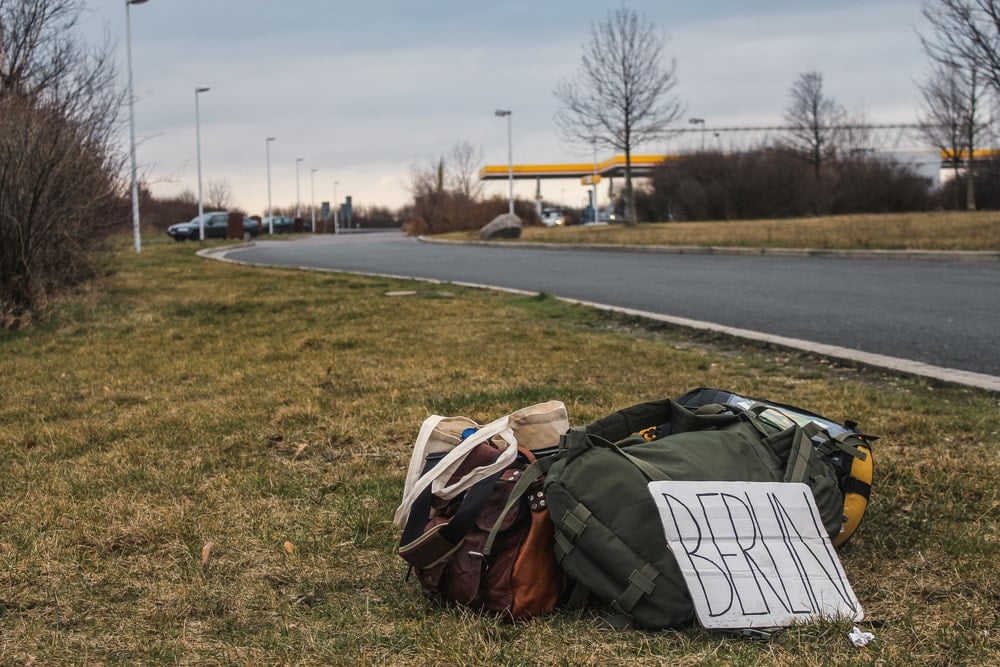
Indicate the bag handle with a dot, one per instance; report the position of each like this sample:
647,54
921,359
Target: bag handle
420,451
577,439
532,426
436,479
623,423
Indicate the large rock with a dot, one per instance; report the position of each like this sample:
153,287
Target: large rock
506,226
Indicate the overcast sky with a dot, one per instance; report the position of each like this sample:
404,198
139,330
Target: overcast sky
365,92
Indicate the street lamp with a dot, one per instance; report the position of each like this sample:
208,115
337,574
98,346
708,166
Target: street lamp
336,207
298,209
197,132
312,197
500,113
700,121
137,237
594,179
270,217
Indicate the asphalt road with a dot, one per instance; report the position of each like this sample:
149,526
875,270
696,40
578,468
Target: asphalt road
945,314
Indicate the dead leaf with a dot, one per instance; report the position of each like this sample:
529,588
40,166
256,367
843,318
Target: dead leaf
289,547
206,551
299,450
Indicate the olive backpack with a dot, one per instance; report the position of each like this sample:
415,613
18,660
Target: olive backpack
608,535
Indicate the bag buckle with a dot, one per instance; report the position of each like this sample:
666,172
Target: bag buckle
484,561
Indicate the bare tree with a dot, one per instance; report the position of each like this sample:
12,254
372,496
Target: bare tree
813,119
41,60
220,195
949,109
463,176
623,93
854,136
965,44
965,33
60,171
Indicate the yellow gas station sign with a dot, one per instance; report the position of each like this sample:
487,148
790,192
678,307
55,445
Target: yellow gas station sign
590,179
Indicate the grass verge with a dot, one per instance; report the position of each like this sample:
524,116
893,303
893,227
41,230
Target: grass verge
200,462
978,230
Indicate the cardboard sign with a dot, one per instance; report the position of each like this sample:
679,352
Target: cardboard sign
753,554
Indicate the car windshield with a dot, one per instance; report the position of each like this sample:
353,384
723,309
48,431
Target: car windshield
204,216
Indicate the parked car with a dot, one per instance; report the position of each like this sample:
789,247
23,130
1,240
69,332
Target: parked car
609,215
282,224
216,227
553,217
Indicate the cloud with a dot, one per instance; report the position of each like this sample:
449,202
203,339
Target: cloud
367,91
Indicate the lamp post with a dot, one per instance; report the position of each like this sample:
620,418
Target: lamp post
136,236
298,208
500,113
270,216
594,179
197,133
336,208
700,121
312,197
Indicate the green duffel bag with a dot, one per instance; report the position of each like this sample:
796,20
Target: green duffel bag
608,533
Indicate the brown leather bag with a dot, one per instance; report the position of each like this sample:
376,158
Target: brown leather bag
490,548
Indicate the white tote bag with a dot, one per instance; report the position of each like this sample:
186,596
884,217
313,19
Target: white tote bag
534,427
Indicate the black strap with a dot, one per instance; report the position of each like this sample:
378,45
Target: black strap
855,485
461,522
421,507
420,512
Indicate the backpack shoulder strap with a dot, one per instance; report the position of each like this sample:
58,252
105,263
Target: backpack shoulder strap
529,476
797,467
628,421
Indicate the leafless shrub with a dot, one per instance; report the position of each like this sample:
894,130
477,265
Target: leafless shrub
161,212
60,201
770,183
60,183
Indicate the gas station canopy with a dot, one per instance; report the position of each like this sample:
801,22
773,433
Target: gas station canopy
613,167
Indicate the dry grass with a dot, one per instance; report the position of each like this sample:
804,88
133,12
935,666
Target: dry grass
904,231
200,462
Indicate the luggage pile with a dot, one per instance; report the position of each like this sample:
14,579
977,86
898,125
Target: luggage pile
524,514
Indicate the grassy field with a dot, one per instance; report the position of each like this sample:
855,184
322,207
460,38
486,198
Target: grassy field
904,231
199,463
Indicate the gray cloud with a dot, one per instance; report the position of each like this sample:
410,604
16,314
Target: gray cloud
367,91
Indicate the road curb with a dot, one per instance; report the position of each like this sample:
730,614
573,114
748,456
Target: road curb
871,359
907,255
